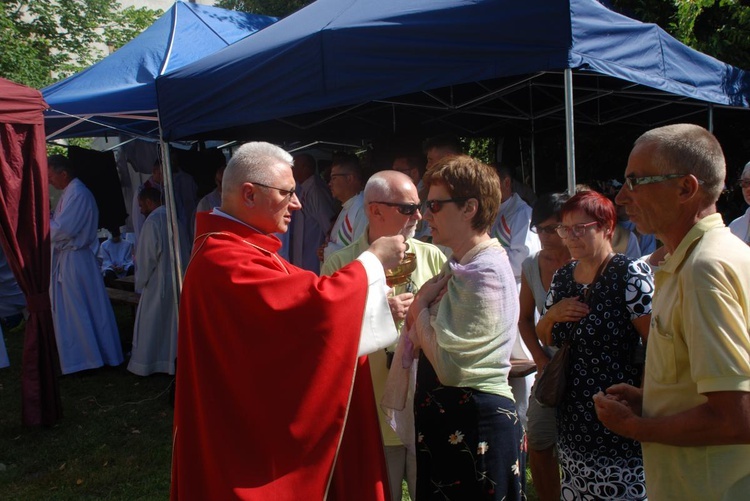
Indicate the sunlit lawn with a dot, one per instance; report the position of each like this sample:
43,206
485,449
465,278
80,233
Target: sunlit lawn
114,441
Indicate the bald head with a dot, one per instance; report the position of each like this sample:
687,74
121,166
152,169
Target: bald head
384,184
391,204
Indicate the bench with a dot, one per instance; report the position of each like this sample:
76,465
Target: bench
119,296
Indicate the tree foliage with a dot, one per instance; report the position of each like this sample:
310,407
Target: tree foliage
277,8
720,28
45,40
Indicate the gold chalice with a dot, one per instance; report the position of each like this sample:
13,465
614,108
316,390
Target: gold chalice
401,273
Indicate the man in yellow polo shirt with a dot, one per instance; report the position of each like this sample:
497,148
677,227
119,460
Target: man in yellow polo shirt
693,414
392,204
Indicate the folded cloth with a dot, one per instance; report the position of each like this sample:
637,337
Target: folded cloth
397,383
398,398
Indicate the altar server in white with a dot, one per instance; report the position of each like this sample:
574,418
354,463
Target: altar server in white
155,332
85,327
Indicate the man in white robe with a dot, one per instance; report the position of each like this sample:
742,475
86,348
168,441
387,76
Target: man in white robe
311,224
212,199
155,331
85,327
154,181
116,257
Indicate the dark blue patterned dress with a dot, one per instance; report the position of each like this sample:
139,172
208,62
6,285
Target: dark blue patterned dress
596,463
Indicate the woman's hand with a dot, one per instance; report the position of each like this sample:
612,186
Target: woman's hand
433,290
569,309
430,293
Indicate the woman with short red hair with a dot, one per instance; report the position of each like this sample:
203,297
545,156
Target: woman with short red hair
600,303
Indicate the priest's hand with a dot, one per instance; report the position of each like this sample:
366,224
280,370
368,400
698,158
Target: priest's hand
389,250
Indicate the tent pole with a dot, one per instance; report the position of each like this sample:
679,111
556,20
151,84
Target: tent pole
569,135
711,118
533,157
533,138
174,237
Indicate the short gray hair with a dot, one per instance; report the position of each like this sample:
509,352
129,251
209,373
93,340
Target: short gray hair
378,188
252,162
688,149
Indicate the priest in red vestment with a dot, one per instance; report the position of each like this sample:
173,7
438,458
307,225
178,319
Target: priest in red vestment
268,354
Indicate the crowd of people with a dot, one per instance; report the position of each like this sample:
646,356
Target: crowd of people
305,368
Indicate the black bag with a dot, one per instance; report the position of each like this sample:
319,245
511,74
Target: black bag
553,381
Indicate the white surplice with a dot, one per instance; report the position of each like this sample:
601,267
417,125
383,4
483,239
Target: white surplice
155,332
113,254
85,327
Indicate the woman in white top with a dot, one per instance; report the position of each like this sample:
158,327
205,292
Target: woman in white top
538,269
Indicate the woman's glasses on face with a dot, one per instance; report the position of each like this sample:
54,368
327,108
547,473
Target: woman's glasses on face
743,183
577,230
549,229
436,206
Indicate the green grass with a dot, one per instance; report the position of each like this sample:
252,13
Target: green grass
114,441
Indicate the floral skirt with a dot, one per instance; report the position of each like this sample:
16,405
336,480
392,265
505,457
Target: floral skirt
469,443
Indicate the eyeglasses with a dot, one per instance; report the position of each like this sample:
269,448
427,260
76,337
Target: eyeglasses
743,183
577,230
549,229
282,192
405,209
333,176
631,181
436,206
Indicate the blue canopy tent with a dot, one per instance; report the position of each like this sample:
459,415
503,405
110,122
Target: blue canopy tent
118,94
341,65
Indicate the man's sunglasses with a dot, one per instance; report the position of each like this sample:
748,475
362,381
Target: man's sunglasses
405,209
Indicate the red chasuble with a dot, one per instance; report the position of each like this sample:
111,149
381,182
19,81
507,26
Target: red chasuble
265,379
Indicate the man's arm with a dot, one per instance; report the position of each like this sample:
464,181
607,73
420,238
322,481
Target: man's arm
70,221
723,420
107,261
